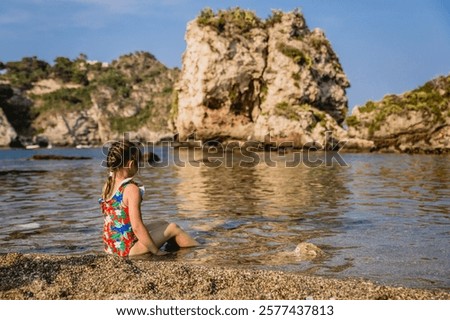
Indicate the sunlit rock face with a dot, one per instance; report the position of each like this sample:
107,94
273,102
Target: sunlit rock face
7,132
244,78
415,121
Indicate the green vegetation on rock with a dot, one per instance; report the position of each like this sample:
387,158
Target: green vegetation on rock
133,80
242,20
298,56
274,18
319,42
24,73
115,80
70,71
352,121
293,112
368,107
124,124
432,100
65,99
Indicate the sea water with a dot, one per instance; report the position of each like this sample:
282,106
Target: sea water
382,217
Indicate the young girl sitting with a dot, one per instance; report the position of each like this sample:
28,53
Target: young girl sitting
124,232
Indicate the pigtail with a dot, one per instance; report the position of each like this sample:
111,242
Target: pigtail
108,185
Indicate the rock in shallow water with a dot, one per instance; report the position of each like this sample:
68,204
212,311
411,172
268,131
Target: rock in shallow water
308,251
57,157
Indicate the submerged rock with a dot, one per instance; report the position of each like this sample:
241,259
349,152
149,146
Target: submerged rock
151,158
22,172
57,157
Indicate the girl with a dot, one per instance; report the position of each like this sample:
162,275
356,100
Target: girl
124,232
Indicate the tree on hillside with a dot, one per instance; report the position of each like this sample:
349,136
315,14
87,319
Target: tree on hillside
62,69
23,73
70,71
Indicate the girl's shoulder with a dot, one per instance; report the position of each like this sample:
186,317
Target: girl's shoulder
134,187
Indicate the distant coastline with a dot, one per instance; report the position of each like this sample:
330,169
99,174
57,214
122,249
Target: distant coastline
243,78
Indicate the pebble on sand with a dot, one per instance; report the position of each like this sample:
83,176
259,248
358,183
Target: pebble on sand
32,276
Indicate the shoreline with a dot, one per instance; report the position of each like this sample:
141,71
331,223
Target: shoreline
102,277
345,150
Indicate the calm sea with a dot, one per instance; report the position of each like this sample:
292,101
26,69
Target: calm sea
384,217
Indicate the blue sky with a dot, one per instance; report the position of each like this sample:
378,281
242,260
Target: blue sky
385,46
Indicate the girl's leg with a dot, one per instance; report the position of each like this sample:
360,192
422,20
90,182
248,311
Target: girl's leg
163,231
181,237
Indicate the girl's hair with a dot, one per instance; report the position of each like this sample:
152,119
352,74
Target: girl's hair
119,154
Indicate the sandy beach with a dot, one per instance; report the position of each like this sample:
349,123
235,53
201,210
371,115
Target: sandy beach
33,276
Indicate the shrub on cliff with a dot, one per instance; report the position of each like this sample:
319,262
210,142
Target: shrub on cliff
243,20
274,18
65,99
70,71
115,80
432,99
127,124
298,56
24,73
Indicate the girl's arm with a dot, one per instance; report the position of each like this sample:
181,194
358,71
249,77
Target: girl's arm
132,199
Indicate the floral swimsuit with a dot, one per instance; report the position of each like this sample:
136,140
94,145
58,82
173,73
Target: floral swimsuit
118,236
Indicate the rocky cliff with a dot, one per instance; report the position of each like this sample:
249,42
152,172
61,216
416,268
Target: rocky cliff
7,132
248,79
83,102
416,121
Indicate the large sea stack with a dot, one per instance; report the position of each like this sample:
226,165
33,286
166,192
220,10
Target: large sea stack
247,79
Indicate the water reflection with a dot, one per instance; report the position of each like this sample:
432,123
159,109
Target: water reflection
48,210
398,218
384,217
258,214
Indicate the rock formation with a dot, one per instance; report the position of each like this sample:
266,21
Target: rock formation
247,79
308,251
416,121
133,95
7,132
273,81
88,103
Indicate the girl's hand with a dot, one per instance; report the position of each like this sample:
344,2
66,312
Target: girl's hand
161,253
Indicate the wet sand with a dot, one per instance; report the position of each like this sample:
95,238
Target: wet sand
32,276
